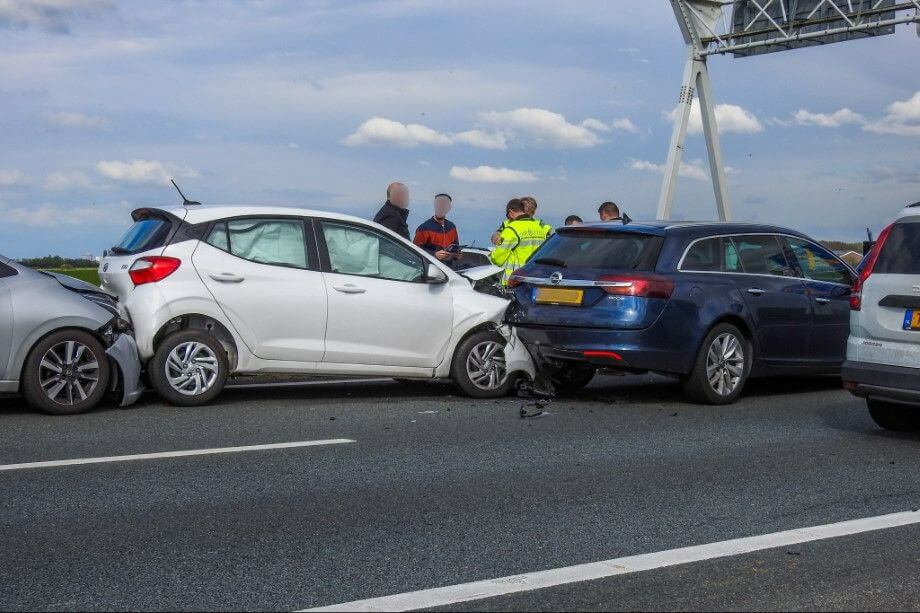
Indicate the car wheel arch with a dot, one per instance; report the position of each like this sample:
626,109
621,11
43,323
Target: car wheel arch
742,324
206,323
33,342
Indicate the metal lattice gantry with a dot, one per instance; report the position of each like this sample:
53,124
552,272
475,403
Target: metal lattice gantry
753,27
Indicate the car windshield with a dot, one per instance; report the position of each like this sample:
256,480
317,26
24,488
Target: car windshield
144,235
592,249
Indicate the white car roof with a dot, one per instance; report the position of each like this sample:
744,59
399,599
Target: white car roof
204,213
912,210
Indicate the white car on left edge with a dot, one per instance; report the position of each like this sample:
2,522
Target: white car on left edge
218,290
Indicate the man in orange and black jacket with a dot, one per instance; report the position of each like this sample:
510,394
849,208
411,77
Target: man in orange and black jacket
438,235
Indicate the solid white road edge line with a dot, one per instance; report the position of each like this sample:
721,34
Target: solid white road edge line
172,454
490,588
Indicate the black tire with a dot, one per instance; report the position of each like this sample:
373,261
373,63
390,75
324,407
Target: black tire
160,379
697,383
894,417
72,376
574,378
460,373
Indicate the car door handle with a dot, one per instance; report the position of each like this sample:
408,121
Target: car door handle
822,300
348,288
227,277
755,291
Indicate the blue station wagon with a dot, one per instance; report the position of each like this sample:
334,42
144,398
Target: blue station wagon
713,303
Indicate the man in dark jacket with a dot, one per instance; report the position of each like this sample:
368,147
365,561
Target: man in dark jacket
394,214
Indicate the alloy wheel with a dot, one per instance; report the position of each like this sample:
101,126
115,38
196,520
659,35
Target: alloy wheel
725,364
192,368
486,366
69,373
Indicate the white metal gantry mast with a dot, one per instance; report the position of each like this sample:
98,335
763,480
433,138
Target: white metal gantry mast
691,15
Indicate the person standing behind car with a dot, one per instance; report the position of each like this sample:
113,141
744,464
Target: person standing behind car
519,239
530,207
609,211
394,214
438,235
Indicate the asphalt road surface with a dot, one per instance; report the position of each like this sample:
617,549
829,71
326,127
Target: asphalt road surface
394,489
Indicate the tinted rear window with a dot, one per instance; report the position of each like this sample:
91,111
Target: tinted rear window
6,271
144,235
901,253
613,251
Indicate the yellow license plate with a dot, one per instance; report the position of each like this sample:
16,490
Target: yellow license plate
912,320
553,295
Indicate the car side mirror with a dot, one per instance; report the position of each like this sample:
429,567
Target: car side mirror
434,275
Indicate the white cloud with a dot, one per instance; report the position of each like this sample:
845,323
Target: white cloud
693,170
383,131
834,120
595,124
11,177
490,174
56,215
142,171
903,119
541,127
66,119
482,140
625,125
59,181
729,118
49,15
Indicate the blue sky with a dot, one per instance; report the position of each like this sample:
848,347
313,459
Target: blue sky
321,104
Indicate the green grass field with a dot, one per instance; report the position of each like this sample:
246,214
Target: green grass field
90,275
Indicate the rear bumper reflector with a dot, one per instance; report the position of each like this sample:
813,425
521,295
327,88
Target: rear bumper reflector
603,354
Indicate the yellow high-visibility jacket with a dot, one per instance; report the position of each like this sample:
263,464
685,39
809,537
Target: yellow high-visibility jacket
519,240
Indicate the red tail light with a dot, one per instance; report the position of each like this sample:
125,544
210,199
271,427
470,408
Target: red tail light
515,279
856,295
152,269
608,355
640,286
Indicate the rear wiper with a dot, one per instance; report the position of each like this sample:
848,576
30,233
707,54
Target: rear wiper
551,262
119,250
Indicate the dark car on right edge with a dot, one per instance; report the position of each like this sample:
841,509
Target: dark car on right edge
713,303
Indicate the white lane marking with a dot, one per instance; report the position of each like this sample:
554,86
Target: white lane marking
491,588
246,386
172,454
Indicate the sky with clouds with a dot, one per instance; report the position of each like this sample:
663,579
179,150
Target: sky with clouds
322,103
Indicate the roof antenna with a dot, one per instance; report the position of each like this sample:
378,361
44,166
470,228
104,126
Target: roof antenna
185,201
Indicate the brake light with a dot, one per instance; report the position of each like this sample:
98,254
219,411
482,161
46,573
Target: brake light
640,286
152,269
856,295
515,279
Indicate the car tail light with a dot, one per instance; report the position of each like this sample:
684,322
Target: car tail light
515,279
640,286
608,355
856,295
152,269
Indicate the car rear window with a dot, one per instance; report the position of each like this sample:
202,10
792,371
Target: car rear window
144,235
901,253
592,249
6,271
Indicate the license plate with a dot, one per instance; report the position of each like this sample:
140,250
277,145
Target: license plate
912,319
553,295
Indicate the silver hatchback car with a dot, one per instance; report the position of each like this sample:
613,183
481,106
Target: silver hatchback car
63,342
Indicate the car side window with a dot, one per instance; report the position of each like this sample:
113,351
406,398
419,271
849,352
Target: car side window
817,264
362,252
276,242
762,254
712,255
6,271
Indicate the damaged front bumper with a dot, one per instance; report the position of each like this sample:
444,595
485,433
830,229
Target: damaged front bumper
123,351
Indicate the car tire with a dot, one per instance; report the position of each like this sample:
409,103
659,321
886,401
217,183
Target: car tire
574,378
894,417
66,373
722,366
189,368
478,366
